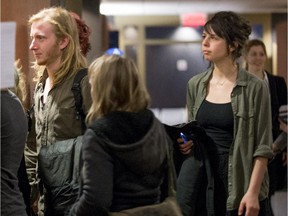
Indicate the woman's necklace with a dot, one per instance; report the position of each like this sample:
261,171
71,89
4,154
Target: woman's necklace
220,83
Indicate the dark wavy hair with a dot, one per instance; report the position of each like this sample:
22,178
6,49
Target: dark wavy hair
235,30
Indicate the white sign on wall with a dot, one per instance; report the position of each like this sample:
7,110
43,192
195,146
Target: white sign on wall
7,37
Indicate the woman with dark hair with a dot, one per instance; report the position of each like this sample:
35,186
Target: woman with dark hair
233,107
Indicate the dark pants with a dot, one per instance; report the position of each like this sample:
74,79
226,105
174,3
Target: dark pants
264,209
191,188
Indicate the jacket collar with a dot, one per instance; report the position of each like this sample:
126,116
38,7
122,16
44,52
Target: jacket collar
241,80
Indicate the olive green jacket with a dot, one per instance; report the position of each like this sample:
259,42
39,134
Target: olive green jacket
54,121
252,129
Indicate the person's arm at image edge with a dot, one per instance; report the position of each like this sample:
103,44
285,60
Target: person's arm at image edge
263,152
250,202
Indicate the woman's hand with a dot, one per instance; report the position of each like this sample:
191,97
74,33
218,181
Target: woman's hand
250,205
185,148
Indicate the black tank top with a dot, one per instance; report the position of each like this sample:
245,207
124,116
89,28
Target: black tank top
217,120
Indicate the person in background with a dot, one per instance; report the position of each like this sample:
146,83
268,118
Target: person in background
58,57
84,33
124,147
233,107
255,57
14,129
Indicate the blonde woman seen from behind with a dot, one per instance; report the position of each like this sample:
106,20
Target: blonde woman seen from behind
124,156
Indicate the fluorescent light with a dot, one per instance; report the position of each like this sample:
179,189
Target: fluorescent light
157,8
138,8
143,8
124,8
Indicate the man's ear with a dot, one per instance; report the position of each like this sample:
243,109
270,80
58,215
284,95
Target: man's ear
64,42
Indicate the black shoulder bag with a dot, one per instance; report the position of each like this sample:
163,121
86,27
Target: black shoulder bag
59,163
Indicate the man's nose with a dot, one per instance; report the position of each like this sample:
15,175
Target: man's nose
33,45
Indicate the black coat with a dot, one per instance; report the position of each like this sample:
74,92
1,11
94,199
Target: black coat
124,157
14,129
278,94
195,182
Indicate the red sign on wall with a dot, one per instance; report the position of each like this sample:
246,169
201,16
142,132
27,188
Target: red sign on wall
193,19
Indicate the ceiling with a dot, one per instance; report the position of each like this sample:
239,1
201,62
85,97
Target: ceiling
178,7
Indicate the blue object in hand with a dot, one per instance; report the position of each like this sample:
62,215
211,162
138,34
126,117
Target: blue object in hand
184,137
